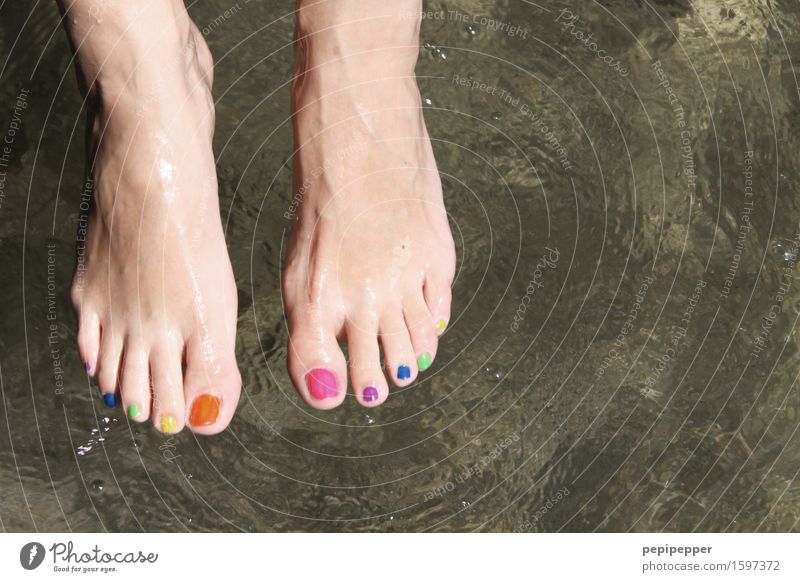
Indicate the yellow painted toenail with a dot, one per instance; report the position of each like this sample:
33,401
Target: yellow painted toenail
440,325
168,424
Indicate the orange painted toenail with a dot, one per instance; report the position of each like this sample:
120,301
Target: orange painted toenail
168,424
205,410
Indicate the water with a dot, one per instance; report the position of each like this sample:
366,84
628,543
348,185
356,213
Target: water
622,352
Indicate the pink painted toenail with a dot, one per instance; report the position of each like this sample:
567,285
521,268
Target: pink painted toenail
322,384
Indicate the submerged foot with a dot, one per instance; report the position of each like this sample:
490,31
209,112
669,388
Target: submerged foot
155,298
371,257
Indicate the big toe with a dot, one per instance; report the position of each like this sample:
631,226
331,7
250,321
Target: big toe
211,389
316,364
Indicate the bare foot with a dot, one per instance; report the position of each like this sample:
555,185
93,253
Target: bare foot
371,257
156,293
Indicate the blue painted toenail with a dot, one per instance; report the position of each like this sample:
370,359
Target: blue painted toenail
110,400
403,372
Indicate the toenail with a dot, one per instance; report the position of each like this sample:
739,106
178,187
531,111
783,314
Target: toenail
88,367
440,325
168,424
110,399
133,411
322,384
424,361
403,372
205,410
370,394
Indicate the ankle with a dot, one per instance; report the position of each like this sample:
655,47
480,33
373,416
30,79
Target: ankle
124,48
347,40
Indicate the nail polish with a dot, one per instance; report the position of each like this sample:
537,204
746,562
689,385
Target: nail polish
403,372
110,399
168,424
322,384
88,367
440,325
205,410
133,411
424,361
370,394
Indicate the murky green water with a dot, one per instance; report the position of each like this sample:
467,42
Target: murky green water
623,348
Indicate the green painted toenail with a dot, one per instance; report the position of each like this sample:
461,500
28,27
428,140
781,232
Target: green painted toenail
424,361
133,411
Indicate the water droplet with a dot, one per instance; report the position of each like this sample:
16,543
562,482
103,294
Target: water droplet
471,30
135,444
497,116
98,486
427,101
368,419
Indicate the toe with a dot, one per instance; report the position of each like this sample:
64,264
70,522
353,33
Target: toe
316,363
168,404
438,297
366,376
211,389
108,368
401,365
422,331
135,384
89,339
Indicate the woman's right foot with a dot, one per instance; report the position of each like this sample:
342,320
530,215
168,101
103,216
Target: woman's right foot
371,256
154,291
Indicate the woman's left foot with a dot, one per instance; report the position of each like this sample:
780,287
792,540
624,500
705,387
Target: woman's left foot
371,256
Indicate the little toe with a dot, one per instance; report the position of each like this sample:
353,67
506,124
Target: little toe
438,297
168,403
366,376
401,364
135,384
211,390
317,365
422,330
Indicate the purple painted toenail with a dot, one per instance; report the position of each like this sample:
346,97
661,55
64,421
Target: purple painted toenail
370,394
87,366
322,384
